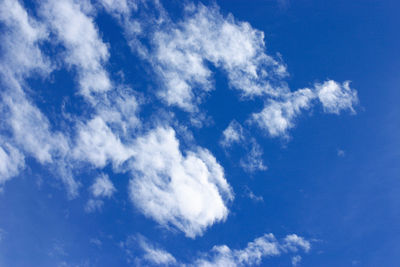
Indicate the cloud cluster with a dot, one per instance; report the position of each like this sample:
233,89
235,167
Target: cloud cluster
179,188
253,254
183,52
24,127
278,116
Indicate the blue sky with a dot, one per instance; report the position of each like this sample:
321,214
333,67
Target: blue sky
205,133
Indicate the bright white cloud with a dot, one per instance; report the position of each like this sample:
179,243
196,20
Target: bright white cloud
103,187
84,49
97,144
278,115
187,191
336,97
182,52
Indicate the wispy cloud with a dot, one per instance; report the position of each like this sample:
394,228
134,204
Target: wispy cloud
235,134
253,254
84,49
102,187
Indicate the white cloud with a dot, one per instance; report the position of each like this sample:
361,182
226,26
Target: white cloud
336,97
84,48
278,116
293,242
181,53
31,129
11,162
296,260
156,255
118,6
187,191
94,205
31,132
97,144
252,196
102,187
21,54
232,134
95,241
184,50
119,108
253,254
253,160
236,134
341,153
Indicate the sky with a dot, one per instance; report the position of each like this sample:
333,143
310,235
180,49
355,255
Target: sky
199,133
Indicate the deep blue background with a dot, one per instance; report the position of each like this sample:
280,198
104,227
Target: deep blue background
348,205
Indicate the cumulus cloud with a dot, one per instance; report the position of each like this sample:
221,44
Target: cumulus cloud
336,97
187,191
84,49
102,187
